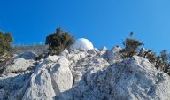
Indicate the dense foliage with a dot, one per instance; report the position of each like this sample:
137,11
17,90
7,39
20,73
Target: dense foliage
5,45
59,41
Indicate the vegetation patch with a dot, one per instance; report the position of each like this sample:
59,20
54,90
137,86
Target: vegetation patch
59,41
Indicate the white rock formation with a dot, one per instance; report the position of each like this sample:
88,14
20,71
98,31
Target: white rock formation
87,75
19,65
40,87
51,78
113,56
82,44
132,79
61,76
53,58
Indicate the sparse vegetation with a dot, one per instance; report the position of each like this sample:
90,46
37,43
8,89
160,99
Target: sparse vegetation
164,60
150,55
131,47
161,61
59,41
165,56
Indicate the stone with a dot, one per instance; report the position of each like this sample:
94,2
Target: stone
19,65
85,75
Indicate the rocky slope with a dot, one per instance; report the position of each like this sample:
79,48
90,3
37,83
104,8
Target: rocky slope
83,75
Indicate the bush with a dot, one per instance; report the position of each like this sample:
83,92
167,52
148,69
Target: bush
59,41
164,60
151,56
165,56
131,47
5,46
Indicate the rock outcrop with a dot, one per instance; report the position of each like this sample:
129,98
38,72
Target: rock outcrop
19,65
131,79
84,75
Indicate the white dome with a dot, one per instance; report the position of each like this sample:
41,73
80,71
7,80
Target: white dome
104,48
82,44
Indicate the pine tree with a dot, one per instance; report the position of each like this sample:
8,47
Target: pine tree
131,46
59,41
5,45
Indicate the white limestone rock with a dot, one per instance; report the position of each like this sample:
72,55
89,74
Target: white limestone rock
50,78
61,76
132,79
53,58
86,75
19,65
13,86
40,87
113,56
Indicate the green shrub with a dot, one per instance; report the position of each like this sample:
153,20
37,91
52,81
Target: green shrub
131,47
165,56
164,60
151,56
59,41
5,46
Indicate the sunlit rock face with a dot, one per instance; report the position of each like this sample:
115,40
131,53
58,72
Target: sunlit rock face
83,75
82,44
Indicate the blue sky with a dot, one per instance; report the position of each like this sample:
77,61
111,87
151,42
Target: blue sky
104,22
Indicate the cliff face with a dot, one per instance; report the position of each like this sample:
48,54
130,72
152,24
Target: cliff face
83,75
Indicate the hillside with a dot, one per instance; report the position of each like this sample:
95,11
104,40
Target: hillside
38,49
83,75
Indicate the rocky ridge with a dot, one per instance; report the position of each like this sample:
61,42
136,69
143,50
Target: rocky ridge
83,75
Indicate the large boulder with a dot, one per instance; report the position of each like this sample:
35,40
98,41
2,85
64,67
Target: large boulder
50,78
13,86
19,65
61,76
40,87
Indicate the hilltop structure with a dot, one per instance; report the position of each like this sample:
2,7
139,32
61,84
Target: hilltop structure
82,44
